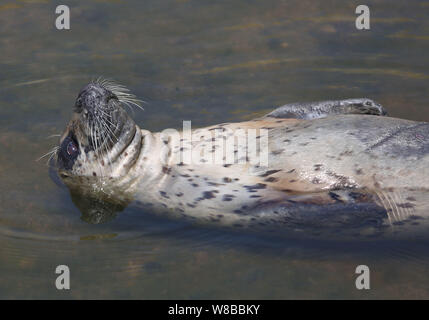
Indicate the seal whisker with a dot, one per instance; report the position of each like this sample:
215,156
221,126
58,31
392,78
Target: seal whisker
120,91
106,118
132,102
127,104
106,127
105,150
385,205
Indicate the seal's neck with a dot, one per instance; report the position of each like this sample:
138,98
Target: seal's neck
127,156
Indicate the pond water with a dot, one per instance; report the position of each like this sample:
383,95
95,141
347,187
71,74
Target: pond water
209,62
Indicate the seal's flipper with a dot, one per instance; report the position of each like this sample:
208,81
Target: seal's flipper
321,109
349,214
53,174
328,221
404,204
95,210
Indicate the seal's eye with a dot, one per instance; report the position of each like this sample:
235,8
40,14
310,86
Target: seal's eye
71,148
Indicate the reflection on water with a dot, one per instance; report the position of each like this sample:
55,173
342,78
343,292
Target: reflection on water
209,62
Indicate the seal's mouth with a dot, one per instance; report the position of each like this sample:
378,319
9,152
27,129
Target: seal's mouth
99,130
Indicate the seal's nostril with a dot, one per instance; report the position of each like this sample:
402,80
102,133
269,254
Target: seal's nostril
94,99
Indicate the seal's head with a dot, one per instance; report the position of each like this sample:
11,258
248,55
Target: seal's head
99,133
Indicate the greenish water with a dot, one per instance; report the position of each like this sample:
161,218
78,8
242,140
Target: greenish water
209,62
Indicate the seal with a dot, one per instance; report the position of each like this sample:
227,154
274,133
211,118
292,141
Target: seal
326,168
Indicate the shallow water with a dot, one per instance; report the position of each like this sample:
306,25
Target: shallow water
209,62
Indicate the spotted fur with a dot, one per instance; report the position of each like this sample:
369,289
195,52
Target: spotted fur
361,173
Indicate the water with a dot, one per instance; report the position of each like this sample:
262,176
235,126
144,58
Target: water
209,62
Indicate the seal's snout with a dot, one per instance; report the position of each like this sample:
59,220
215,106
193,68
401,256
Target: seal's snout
372,107
93,99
